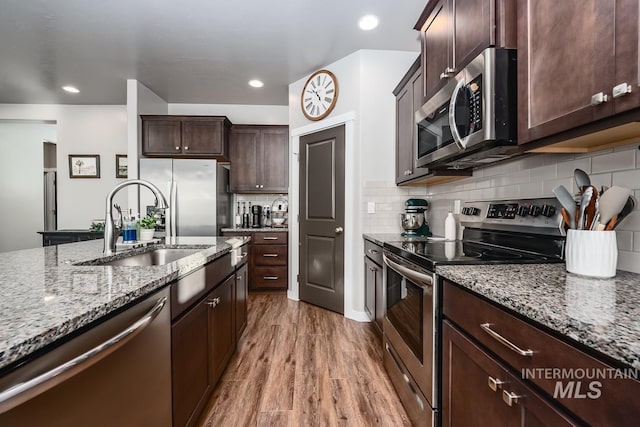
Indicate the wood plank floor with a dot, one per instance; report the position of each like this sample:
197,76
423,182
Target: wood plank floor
300,365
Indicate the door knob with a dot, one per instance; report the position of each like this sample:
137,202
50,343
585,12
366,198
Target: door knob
339,230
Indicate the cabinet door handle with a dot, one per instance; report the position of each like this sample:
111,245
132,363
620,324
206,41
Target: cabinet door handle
599,98
621,90
372,251
213,303
177,147
244,255
494,383
269,238
257,186
261,186
270,255
502,340
270,277
186,147
373,269
510,398
14,396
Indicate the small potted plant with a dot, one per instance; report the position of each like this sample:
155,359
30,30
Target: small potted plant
147,227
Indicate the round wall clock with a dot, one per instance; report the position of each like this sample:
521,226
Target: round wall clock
319,95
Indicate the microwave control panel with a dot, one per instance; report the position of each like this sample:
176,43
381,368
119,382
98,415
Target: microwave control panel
474,91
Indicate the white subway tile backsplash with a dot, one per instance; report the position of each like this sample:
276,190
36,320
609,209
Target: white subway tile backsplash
548,186
616,161
631,222
629,261
594,153
624,240
636,241
598,180
629,179
531,189
544,173
566,169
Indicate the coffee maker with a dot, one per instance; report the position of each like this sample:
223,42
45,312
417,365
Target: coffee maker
256,216
414,218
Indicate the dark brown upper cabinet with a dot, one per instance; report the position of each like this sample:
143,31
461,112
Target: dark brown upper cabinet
454,32
259,158
577,64
186,136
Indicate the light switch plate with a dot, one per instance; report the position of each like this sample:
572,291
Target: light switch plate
371,207
456,207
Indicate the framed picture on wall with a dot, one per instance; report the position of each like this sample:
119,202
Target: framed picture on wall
84,166
122,169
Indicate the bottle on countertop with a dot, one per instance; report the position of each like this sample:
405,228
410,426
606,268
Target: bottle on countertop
238,222
245,216
450,227
129,233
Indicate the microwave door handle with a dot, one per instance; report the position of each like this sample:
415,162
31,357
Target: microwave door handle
460,142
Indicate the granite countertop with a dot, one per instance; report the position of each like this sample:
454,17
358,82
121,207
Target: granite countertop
254,230
46,296
603,314
380,238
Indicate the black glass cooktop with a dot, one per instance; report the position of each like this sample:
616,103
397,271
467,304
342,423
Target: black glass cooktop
429,253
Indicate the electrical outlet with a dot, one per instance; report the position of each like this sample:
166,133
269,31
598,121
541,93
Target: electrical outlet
456,206
371,207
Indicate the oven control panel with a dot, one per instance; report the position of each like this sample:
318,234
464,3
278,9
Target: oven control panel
508,214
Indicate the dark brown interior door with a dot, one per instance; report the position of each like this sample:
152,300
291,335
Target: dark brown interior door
322,219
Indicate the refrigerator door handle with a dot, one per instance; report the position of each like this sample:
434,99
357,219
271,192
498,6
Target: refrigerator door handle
174,209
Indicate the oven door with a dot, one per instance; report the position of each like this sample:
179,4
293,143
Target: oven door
410,320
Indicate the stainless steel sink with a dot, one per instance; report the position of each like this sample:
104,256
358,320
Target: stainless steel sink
153,257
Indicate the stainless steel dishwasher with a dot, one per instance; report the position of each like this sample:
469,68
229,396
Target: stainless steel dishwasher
117,373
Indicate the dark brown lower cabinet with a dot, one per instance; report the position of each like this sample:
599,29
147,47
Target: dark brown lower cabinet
479,391
191,381
221,328
242,290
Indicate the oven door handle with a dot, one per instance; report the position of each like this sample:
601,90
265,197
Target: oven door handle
415,276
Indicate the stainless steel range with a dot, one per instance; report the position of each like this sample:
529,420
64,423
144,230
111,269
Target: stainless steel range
496,232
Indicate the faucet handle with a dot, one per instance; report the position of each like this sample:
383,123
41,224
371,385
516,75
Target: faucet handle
118,222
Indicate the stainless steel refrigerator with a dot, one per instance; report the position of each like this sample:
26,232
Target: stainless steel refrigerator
197,192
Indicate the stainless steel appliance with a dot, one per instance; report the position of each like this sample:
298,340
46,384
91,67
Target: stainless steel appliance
414,218
279,212
515,232
472,120
197,192
256,216
116,373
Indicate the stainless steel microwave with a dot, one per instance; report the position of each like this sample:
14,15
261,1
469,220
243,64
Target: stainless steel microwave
472,120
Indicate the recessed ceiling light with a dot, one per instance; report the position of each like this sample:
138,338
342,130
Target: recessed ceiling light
368,22
255,83
71,89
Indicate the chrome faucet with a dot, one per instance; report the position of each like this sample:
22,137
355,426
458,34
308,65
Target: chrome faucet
111,229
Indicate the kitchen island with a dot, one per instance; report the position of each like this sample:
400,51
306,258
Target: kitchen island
47,297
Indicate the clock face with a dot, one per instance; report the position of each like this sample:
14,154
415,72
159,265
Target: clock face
319,95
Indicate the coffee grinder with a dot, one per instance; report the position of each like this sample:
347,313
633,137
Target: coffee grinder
256,214
414,218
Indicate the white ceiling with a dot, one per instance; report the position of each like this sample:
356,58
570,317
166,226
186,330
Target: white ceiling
191,51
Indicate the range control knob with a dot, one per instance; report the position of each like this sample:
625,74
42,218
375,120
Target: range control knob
475,211
548,210
465,211
534,210
523,210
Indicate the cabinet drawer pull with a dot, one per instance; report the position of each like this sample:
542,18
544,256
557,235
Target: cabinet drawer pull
269,238
502,340
214,302
186,148
270,255
177,148
599,98
372,251
270,277
621,90
373,269
257,186
494,383
510,398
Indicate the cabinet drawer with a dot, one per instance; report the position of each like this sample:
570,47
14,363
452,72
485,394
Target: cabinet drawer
269,255
269,278
373,251
269,238
615,402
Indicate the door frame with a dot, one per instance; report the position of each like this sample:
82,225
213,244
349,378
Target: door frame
353,280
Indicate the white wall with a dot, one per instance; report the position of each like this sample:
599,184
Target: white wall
366,104
140,100
21,180
237,114
80,129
